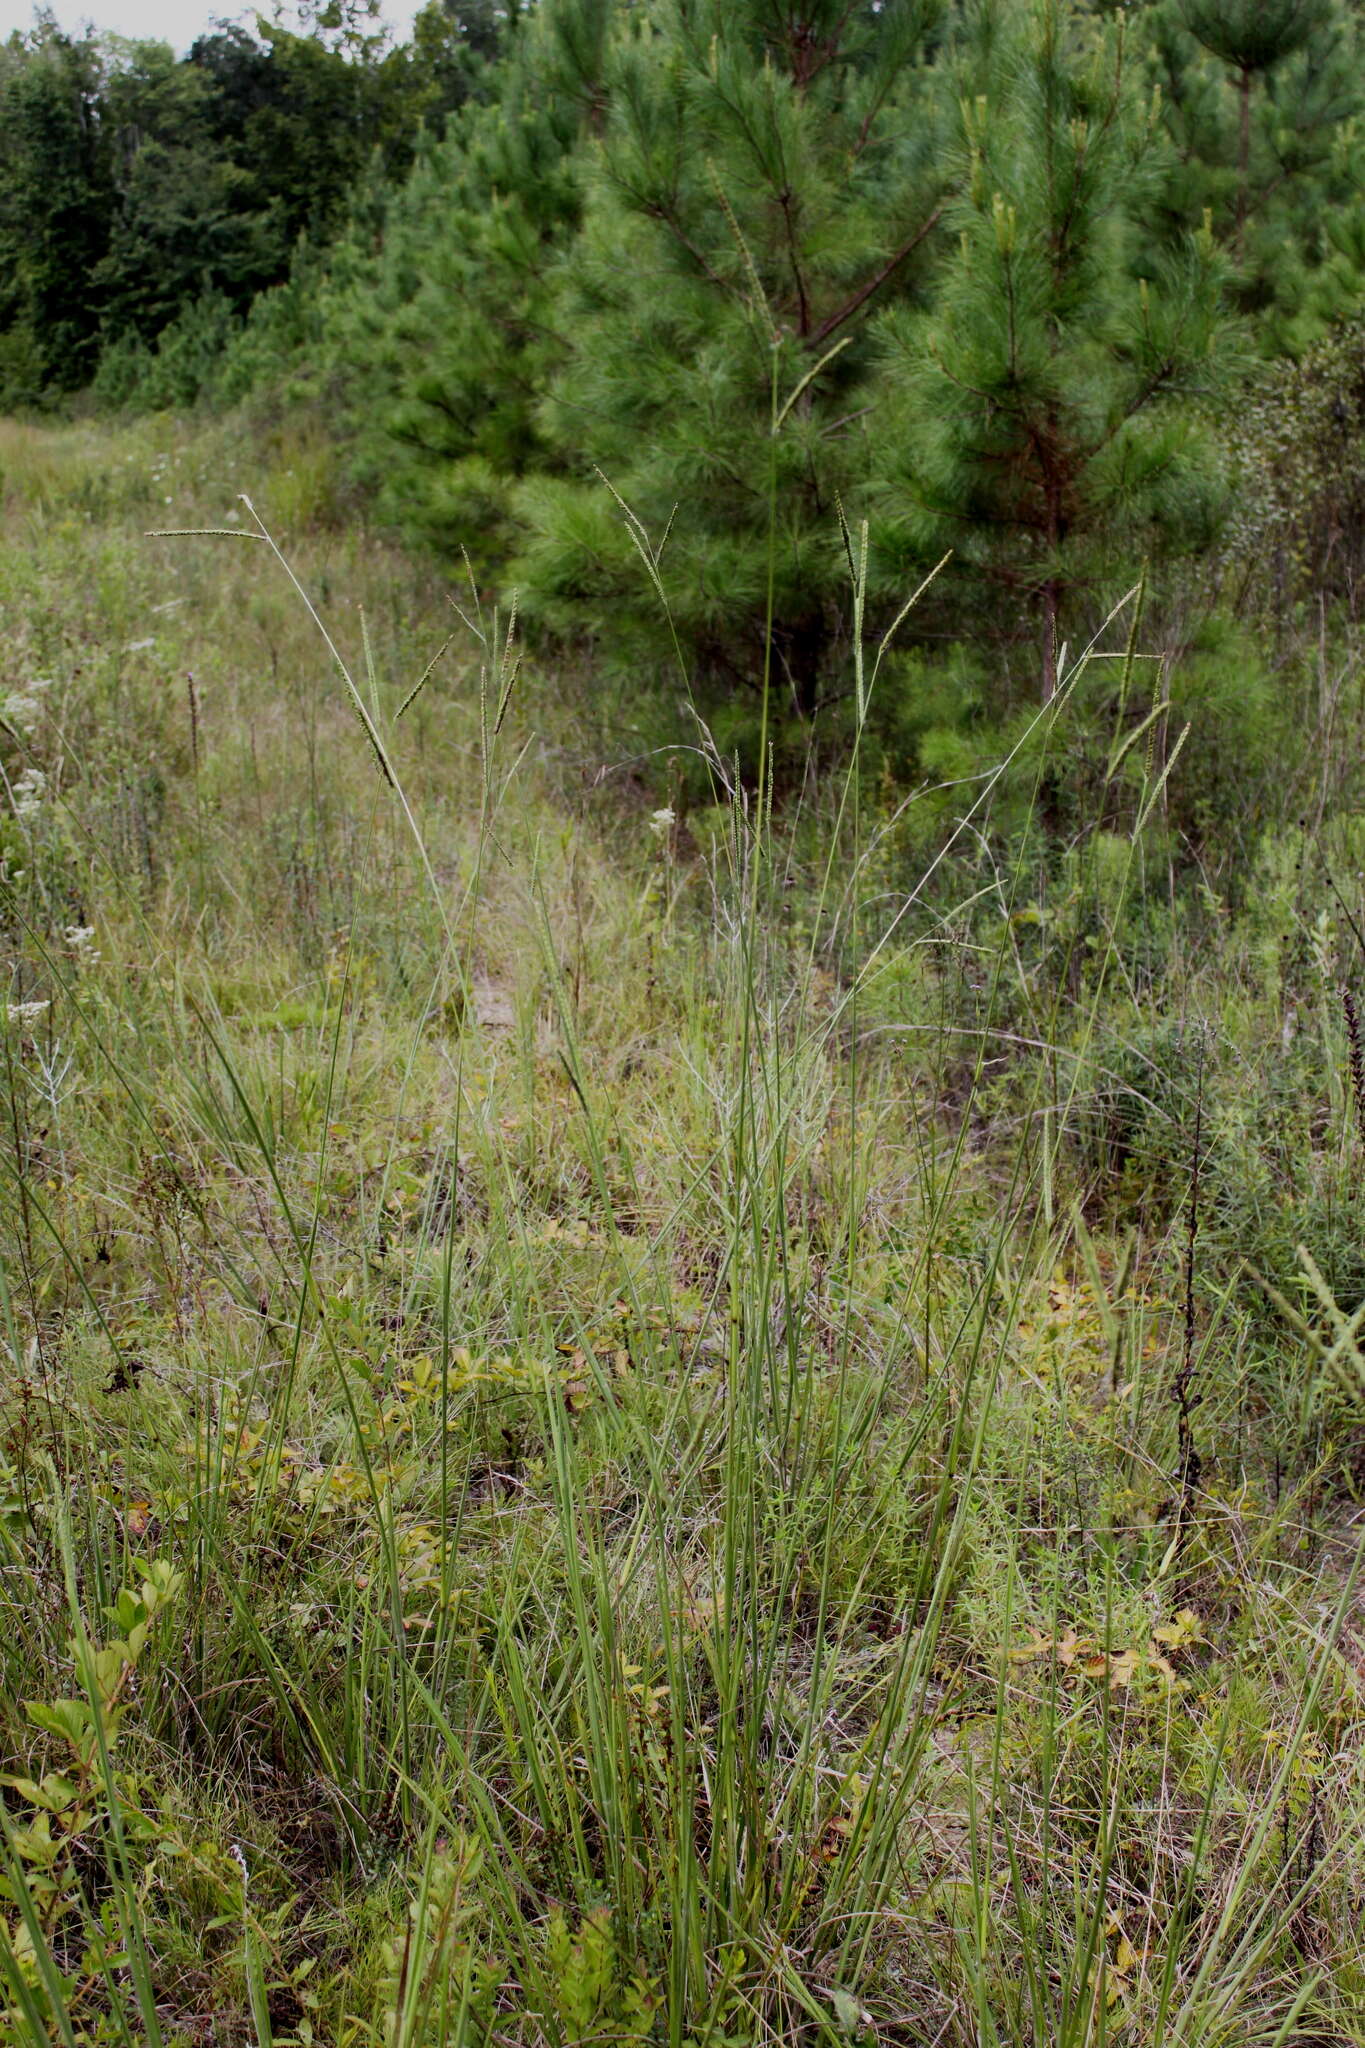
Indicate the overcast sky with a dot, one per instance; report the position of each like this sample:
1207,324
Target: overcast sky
171,21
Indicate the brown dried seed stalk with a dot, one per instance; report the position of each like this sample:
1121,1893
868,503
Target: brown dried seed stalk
1356,1057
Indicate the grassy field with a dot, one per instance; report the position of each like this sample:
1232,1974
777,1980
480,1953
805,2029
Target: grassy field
627,1428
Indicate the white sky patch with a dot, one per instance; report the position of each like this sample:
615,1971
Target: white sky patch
177,22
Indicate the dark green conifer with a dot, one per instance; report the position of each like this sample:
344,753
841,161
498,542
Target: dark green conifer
1032,424
1263,100
764,180
440,310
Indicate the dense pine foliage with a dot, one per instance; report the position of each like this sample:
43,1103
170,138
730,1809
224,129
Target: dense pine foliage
992,276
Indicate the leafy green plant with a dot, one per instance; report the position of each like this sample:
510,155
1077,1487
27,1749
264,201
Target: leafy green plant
63,1949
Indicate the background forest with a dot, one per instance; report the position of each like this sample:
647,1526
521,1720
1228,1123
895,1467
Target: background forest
682,1080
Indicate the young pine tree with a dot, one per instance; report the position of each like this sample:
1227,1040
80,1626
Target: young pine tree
1032,425
441,309
1263,101
765,179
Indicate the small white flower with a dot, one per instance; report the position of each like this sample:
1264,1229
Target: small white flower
80,939
23,708
138,646
29,791
26,1013
661,823
21,711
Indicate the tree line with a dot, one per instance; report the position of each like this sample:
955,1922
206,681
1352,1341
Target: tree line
712,282
134,183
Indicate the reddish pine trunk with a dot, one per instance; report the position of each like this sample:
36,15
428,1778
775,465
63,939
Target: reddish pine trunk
1243,160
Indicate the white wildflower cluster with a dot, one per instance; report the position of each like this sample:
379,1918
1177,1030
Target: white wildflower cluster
29,791
22,709
26,1013
80,940
661,823
160,467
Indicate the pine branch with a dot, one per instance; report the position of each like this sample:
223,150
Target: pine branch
874,283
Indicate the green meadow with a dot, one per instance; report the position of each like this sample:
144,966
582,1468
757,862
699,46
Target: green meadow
706,1414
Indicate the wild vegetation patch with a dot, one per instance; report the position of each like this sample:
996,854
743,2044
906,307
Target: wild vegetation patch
741,1428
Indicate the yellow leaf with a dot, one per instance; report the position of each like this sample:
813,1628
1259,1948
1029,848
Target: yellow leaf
1178,1634
1028,1652
1118,1666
